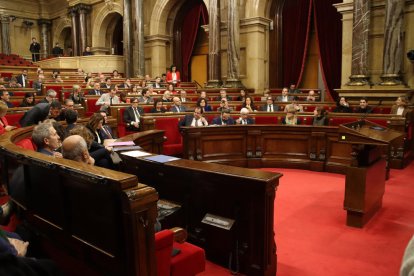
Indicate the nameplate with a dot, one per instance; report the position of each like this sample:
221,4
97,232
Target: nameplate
218,221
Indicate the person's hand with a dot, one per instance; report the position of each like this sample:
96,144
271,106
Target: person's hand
9,128
108,148
136,124
20,246
57,154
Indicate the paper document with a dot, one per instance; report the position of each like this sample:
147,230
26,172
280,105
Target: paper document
162,158
135,153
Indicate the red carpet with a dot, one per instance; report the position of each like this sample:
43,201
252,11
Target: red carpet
311,234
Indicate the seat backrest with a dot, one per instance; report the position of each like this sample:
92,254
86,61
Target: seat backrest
264,120
27,143
170,125
14,118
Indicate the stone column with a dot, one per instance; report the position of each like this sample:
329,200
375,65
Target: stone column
233,46
393,42
139,40
214,45
359,72
75,46
5,34
82,10
44,37
127,37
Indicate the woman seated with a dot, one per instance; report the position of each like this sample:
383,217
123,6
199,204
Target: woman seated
400,107
202,103
342,106
242,96
249,104
158,106
29,100
127,84
4,125
320,117
291,118
95,124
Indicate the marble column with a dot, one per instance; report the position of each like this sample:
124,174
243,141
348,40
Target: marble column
393,42
5,34
75,47
83,11
139,40
233,46
361,21
214,45
127,37
44,37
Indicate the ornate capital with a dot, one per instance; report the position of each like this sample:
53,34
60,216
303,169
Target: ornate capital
4,19
44,22
109,4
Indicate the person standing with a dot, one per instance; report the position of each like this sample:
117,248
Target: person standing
57,51
35,50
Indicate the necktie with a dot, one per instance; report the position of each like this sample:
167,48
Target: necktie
136,113
269,108
178,108
196,123
107,132
110,101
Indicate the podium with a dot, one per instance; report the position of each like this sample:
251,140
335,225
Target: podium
365,177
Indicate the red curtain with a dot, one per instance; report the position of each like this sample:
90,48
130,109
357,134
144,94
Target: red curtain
191,26
328,26
296,23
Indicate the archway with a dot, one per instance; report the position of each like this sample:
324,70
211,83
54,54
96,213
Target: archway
66,41
107,29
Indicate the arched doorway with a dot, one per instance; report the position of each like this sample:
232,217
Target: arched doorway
114,33
66,41
117,38
189,37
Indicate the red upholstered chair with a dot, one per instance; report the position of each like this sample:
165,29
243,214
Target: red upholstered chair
27,143
91,106
307,120
122,127
174,143
265,120
190,261
14,118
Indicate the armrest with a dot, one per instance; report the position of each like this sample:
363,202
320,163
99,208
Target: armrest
180,235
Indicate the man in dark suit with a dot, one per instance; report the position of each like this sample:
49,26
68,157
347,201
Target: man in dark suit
22,78
106,131
270,106
96,90
224,118
363,106
195,120
35,115
244,117
284,97
132,115
107,84
57,51
35,49
223,95
87,51
177,106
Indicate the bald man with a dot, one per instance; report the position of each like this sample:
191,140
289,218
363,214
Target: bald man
74,148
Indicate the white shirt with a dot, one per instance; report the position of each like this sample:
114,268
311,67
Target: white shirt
400,110
199,123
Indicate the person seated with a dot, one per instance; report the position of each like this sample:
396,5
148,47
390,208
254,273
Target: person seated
56,111
242,95
46,139
28,100
224,104
177,106
108,99
173,76
203,95
224,118
194,120
87,51
244,118
106,131
158,83
13,83
57,51
183,96
203,103
37,85
58,79
68,104
77,96
311,97
294,105
116,75
50,96
158,106
363,107
22,79
132,115
270,106
12,244
5,98
74,148
107,84
146,96
249,104
291,118
35,115
166,97
96,90
4,125
284,97
71,117
320,117
400,107
293,89
127,84
223,95
342,106
94,125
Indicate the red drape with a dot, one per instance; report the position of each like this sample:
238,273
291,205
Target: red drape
191,26
296,23
328,26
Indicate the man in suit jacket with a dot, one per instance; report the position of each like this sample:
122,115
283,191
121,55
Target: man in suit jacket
223,95
244,117
5,97
107,83
224,118
132,115
195,120
22,78
35,115
284,97
37,85
146,97
35,49
96,90
177,107
269,106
